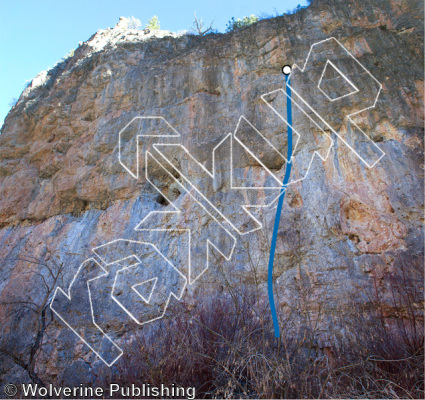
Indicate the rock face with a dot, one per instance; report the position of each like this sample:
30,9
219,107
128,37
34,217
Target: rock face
63,191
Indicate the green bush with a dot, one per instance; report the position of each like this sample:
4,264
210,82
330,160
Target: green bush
241,23
153,23
299,7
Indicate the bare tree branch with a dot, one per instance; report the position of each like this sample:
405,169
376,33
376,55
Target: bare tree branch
53,271
199,28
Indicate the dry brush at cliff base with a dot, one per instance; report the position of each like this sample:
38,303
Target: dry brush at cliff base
226,348
349,256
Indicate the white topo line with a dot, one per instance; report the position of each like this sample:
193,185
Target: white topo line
207,205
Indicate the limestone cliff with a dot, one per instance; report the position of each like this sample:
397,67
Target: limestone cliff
63,191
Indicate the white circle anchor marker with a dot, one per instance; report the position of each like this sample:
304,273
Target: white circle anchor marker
286,69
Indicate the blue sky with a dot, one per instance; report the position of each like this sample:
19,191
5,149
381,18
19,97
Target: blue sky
34,35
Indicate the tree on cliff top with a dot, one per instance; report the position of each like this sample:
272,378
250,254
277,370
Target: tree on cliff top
241,23
134,23
200,28
129,23
153,23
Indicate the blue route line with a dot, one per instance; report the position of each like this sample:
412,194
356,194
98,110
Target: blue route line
279,210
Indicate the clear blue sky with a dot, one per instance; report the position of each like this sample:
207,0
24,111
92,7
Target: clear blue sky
34,35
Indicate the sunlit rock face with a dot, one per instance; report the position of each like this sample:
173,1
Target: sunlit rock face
63,191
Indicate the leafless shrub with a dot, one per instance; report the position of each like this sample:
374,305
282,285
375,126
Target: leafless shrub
20,306
200,28
225,348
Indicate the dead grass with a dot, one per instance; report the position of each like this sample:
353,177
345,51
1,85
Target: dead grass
225,349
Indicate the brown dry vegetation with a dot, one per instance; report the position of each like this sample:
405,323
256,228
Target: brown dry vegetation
226,348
